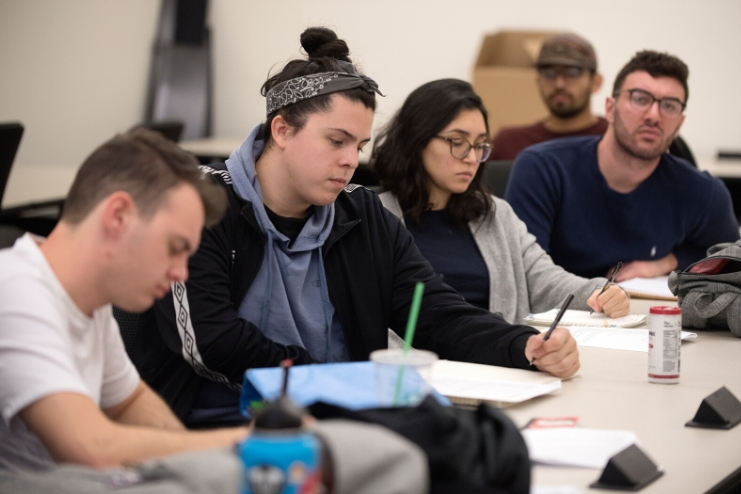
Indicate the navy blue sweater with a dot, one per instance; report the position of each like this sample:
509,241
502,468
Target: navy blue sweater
556,188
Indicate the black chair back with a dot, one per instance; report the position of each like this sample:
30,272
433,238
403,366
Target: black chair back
171,129
680,149
496,175
10,140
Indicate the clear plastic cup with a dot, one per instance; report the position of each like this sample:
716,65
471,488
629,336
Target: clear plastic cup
402,380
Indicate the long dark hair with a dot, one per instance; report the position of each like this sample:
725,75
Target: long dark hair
324,50
397,153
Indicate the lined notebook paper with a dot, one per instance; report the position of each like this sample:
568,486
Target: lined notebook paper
654,288
584,318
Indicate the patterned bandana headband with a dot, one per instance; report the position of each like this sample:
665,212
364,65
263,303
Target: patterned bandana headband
308,86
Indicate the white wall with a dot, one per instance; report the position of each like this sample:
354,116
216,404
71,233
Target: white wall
75,71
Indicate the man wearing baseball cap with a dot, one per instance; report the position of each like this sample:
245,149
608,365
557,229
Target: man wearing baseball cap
567,78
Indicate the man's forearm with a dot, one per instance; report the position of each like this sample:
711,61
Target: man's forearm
648,269
135,444
73,430
144,407
668,264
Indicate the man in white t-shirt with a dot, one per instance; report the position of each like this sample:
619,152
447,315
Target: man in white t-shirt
68,391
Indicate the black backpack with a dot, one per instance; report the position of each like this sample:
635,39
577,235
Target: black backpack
472,451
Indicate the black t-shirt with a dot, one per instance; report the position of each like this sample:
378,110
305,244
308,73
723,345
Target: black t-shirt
454,254
290,227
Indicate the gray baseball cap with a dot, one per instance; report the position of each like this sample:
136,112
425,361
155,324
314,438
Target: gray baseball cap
567,49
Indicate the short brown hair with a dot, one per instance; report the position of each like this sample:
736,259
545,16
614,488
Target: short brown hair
146,165
657,65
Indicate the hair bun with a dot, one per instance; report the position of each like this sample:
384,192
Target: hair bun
323,42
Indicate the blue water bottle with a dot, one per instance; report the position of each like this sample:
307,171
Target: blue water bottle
281,456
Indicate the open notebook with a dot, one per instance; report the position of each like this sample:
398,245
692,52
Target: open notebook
653,288
584,318
472,384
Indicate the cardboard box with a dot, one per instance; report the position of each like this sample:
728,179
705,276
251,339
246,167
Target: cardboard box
504,77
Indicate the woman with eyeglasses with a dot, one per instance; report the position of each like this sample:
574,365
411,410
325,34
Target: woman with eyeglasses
428,162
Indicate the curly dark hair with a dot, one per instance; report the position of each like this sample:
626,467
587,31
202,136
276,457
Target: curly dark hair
397,153
657,65
324,49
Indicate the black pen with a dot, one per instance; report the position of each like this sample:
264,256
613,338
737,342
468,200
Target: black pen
610,281
555,322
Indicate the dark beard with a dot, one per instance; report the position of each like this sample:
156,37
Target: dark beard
646,155
566,113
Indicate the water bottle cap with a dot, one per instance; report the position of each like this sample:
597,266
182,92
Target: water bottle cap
280,414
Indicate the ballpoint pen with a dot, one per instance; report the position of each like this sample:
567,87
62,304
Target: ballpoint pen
610,281
555,322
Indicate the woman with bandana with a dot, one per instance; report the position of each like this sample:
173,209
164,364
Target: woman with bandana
307,266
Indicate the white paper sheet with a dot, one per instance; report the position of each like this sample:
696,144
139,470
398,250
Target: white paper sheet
490,390
584,318
470,384
617,339
576,446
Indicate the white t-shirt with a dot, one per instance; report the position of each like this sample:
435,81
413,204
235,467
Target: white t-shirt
47,346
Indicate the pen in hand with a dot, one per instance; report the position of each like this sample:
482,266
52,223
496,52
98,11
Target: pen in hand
555,322
610,281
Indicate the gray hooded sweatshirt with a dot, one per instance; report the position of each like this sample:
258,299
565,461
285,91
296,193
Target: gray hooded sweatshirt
288,299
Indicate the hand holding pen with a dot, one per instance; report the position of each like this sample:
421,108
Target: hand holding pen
610,281
556,320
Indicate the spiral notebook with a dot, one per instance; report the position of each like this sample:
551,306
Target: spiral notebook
652,288
584,318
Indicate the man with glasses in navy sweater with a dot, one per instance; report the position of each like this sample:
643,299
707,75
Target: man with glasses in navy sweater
594,201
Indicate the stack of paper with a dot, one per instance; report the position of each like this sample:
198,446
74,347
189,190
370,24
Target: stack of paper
471,384
584,318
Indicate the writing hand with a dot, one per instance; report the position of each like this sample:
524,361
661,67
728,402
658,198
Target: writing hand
558,356
614,302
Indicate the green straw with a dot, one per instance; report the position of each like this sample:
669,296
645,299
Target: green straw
419,289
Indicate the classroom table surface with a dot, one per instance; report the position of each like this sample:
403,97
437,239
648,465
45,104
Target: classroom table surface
611,391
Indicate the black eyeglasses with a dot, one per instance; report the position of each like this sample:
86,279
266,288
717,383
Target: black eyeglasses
642,100
459,148
568,72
